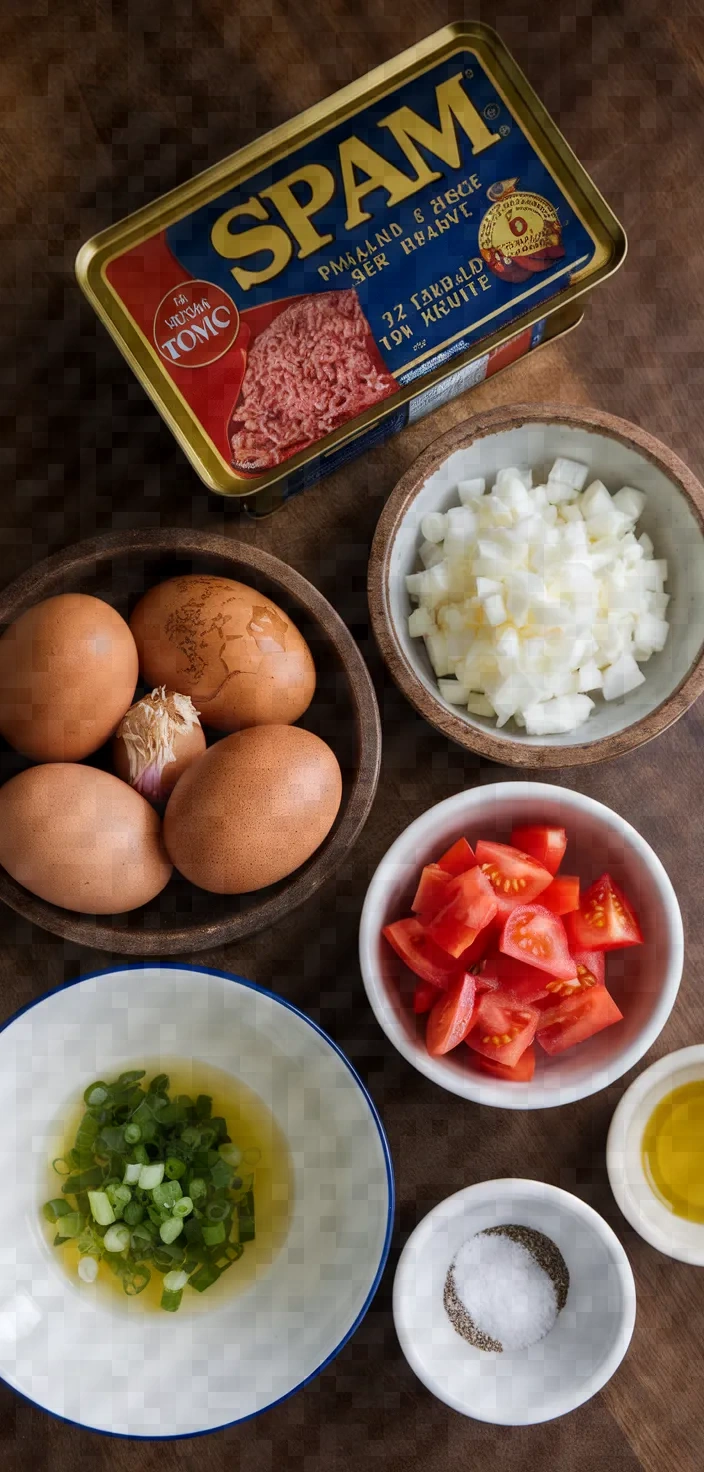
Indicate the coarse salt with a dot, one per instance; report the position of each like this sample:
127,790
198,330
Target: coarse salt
507,1294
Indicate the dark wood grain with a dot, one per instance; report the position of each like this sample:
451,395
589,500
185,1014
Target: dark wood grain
473,737
105,106
121,567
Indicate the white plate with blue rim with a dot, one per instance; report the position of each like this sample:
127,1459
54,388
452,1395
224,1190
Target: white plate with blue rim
91,1354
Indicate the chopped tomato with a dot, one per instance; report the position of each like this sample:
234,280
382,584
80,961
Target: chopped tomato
451,1016
526,983
430,894
521,1074
604,920
503,1028
470,906
546,845
562,896
576,1019
424,997
458,859
479,947
533,934
590,971
515,877
411,943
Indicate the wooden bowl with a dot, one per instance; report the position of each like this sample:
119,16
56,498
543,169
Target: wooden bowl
120,567
618,453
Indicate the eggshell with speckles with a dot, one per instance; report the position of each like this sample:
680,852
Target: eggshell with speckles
68,672
82,839
253,808
238,656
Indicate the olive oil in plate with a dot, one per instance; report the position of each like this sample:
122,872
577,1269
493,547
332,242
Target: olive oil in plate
265,1158
673,1151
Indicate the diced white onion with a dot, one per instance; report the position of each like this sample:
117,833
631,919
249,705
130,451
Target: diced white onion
531,597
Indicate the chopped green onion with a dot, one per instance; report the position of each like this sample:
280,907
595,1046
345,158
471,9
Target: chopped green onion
221,1175
204,1106
197,1189
56,1208
174,1168
141,1154
166,1194
101,1209
205,1276
231,1154
133,1170
151,1176
137,1282
96,1095
217,1211
133,1213
174,1282
88,1269
118,1196
132,1077
159,1084
132,1134
213,1235
183,1207
117,1238
72,1225
252,1157
61,1162
171,1229
170,1301
190,1137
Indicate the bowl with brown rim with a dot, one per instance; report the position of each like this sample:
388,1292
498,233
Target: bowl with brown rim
617,452
120,567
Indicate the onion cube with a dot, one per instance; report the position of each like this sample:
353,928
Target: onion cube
415,584
420,622
569,472
453,692
559,491
645,542
471,490
495,609
630,502
430,554
433,526
595,499
651,632
478,705
436,645
558,716
621,677
589,677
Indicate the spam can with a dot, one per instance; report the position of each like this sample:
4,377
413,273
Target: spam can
345,274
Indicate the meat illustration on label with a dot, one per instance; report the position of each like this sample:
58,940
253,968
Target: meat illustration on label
520,235
313,368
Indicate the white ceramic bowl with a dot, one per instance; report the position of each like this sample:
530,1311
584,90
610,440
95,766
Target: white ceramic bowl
560,1372
106,1363
533,436
643,980
642,1208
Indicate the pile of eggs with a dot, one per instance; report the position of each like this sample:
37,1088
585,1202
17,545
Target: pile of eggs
238,815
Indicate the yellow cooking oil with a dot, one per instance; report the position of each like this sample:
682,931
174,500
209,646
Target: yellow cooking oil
673,1151
252,1127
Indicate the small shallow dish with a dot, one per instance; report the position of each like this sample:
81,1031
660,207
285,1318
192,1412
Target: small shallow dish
643,980
582,1350
110,1365
119,567
617,452
647,1214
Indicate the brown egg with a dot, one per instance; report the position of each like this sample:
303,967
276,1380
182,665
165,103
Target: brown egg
68,671
238,656
81,839
155,741
254,808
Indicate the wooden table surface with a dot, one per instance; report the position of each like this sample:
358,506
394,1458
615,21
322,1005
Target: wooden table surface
105,107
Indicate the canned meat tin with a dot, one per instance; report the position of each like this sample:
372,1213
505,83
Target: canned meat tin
343,275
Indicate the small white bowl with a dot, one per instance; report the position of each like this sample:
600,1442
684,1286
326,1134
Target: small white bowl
109,1364
624,1162
533,435
643,980
560,1372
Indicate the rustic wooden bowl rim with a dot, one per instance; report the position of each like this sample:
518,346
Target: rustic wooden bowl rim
45,578
507,751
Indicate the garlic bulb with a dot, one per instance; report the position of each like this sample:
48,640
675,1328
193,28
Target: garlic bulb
156,740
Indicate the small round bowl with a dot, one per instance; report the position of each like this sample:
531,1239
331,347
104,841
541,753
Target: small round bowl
560,1372
105,1361
643,980
647,1214
618,453
120,567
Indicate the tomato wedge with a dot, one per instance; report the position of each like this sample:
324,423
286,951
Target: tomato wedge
590,971
479,947
471,904
521,1074
430,894
451,1016
525,983
458,859
515,877
545,845
424,997
410,942
604,921
503,1028
534,935
576,1019
562,896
